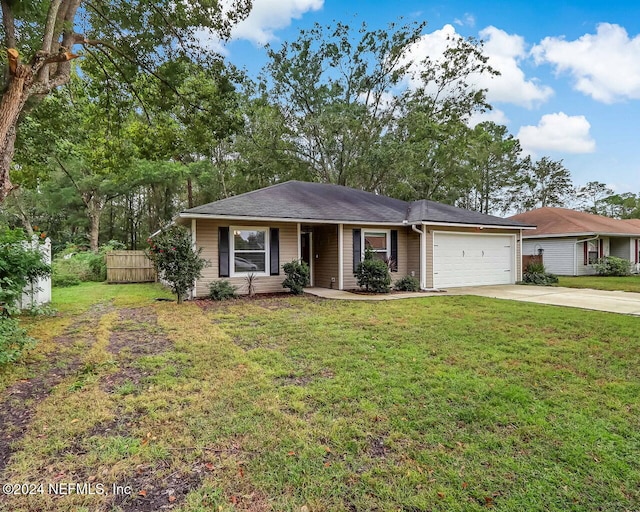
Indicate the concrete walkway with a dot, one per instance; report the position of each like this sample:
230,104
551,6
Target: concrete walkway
599,300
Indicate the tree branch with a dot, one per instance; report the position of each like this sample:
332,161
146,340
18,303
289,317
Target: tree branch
9,24
50,25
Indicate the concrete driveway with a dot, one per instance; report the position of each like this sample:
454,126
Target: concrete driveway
599,300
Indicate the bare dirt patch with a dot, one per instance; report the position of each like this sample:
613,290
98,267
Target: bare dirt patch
21,399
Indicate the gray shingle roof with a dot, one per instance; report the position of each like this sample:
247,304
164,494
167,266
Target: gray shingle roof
323,202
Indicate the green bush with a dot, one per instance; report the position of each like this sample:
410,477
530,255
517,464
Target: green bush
175,260
63,279
74,265
297,276
535,267
13,340
407,284
373,274
612,266
222,290
539,278
19,265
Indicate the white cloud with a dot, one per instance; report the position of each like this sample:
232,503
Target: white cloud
268,16
558,133
605,65
504,51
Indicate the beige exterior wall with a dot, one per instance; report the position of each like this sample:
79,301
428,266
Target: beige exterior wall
431,229
207,238
325,256
413,253
350,282
325,253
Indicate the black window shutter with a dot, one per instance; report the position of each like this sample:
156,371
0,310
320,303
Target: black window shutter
223,251
274,251
394,250
357,248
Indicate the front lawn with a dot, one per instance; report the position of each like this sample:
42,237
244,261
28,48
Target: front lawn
624,284
301,404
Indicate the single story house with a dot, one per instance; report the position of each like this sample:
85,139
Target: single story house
329,227
571,242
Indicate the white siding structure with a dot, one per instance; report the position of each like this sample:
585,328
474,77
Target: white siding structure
559,254
38,293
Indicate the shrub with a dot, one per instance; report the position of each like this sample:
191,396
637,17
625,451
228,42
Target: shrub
407,284
373,274
535,267
222,290
13,340
612,266
175,260
539,278
297,276
20,264
64,279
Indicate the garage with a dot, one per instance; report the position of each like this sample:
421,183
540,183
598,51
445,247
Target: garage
469,259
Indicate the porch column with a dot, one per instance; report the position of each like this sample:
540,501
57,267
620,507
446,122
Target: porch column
340,257
299,242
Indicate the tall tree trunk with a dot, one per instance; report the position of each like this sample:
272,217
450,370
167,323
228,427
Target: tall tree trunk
94,210
13,100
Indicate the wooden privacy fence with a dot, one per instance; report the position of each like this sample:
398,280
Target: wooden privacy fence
533,258
129,267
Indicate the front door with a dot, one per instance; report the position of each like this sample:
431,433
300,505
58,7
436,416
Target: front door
306,251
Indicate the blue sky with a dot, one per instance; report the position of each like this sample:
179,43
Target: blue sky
570,83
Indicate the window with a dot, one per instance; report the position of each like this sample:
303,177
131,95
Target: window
249,250
592,252
378,243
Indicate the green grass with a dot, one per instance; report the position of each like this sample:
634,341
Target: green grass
625,284
439,404
76,299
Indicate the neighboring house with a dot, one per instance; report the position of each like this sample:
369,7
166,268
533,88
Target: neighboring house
571,242
329,227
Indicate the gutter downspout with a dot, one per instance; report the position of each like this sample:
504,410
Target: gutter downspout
423,257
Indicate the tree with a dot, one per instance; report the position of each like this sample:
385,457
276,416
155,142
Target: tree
175,259
340,91
129,36
545,182
622,206
591,196
494,161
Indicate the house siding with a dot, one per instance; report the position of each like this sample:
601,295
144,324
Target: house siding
325,254
431,229
413,253
559,253
623,248
588,270
349,277
207,239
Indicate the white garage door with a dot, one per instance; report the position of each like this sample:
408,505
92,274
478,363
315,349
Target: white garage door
472,260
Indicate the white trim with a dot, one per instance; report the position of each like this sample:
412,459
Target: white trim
232,251
519,245
299,243
591,233
342,221
387,232
340,257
